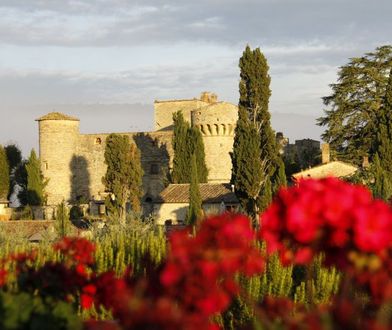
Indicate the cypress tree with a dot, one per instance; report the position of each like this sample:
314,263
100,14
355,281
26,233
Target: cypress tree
123,176
195,201
249,172
186,142
63,223
180,173
254,119
4,174
35,181
14,157
196,147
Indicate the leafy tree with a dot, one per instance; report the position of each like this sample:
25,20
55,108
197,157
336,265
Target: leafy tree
180,173
382,187
14,156
4,174
186,142
20,177
253,172
35,181
195,201
123,178
353,107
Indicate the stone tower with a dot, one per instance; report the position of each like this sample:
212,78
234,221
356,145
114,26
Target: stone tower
58,142
217,123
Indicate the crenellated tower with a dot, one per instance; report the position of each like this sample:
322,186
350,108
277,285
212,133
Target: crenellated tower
216,123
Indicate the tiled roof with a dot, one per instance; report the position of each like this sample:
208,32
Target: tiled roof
336,168
210,193
57,116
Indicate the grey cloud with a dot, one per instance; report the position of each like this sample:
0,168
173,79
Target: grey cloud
222,22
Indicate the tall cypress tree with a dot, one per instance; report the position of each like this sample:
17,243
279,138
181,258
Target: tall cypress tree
196,147
35,181
4,174
186,142
249,172
253,106
195,201
180,173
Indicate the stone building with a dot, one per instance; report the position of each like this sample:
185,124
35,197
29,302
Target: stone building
172,204
74,162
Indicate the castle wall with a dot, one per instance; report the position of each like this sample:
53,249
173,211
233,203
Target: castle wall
156,153
163,111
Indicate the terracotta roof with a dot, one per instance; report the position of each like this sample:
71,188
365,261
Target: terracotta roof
336,168
210,193
57,116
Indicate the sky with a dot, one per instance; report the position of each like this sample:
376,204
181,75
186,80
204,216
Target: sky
106,61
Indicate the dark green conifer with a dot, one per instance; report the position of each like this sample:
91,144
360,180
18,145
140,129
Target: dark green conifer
382,187
196,147
35,181
4,174
180,173
195,202
249,171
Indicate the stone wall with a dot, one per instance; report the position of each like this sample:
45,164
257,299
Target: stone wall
163,111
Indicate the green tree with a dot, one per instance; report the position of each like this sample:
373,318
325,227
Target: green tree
123,178
382,186
263,165
180,173
249,173
352,112
195,201
14,156
63,223
35,181
4,174
20,177
196,147
186,142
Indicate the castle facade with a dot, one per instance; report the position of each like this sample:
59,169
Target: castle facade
74,162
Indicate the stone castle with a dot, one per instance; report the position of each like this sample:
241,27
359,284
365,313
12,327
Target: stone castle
74,162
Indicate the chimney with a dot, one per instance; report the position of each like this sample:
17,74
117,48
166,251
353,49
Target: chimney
365,162
325,158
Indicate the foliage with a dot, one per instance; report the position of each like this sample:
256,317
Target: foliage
4,174
20,177
354,105
383,147
35,181
382,187
254,119
249,171
195,210
63,223
14,157
123,178
186,142
180,154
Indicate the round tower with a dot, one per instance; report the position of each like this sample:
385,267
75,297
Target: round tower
58,141
216,123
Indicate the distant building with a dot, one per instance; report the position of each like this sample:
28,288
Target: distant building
74,162
327,168
172,203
